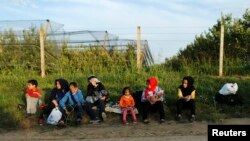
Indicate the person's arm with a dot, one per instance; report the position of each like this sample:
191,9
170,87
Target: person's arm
53,98
26,92
180,93
90,90
132,102
63,100
38,93
122,104
193,94
143,99
80,97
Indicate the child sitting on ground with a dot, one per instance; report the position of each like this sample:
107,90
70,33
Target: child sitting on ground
127,103
33,94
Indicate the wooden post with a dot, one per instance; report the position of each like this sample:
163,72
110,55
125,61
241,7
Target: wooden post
42,52
104,40
221,48
138,56
1,47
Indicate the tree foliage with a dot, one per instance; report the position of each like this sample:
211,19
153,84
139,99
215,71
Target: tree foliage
204,50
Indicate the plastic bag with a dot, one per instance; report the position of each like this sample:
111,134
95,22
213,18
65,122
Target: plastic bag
229,88
54,117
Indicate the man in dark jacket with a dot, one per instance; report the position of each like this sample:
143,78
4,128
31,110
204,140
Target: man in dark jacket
96,96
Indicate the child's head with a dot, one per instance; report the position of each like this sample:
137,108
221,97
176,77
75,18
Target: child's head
32,84
126,91
73,87
187,82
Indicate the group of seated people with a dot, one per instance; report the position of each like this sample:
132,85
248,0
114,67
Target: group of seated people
67,97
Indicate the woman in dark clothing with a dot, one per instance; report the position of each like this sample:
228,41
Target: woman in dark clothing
57,93
96,96
186,94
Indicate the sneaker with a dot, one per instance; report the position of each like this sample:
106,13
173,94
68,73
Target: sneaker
162,120
79,121
145,121
178,117
125,122
61,123
192,118
104,116
40,121
96,121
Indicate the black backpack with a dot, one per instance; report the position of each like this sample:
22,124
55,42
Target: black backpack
231,99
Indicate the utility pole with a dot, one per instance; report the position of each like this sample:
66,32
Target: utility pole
105,39
221,47
42,55
138,47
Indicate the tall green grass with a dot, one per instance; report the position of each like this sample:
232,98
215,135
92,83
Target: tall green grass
13,85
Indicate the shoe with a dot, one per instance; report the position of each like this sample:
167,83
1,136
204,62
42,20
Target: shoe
178,117
79,121
125,122
192,118
162,120
61,123
134,122
104,116
96,121
40,121
145,121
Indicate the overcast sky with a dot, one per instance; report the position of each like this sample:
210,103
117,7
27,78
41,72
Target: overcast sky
168,25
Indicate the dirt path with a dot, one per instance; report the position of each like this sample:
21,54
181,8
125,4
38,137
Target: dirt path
171,130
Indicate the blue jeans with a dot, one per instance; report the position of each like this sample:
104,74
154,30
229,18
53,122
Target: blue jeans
90,112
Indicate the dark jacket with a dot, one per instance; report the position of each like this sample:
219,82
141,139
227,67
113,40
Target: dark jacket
94,91
58,94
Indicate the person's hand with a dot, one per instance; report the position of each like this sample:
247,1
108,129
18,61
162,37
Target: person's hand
102,97
187,98
67,112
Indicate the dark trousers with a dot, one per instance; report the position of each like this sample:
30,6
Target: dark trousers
182,103
90,112
77,109
46,111
146,107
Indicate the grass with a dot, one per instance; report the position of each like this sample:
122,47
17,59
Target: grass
13,85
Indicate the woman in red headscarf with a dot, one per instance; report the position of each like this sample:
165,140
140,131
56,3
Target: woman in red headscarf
152,97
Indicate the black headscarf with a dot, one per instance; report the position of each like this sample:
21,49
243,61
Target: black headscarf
190,88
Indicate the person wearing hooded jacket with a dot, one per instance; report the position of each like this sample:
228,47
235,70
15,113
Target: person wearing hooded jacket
57,93
96,96
152,97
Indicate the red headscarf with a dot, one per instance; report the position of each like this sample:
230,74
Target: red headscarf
153,82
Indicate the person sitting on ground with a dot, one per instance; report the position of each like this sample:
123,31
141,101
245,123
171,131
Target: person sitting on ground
152,97
33,93
74,100
186,94
96,96
127,103
57,93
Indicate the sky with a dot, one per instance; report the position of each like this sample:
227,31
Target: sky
167,25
